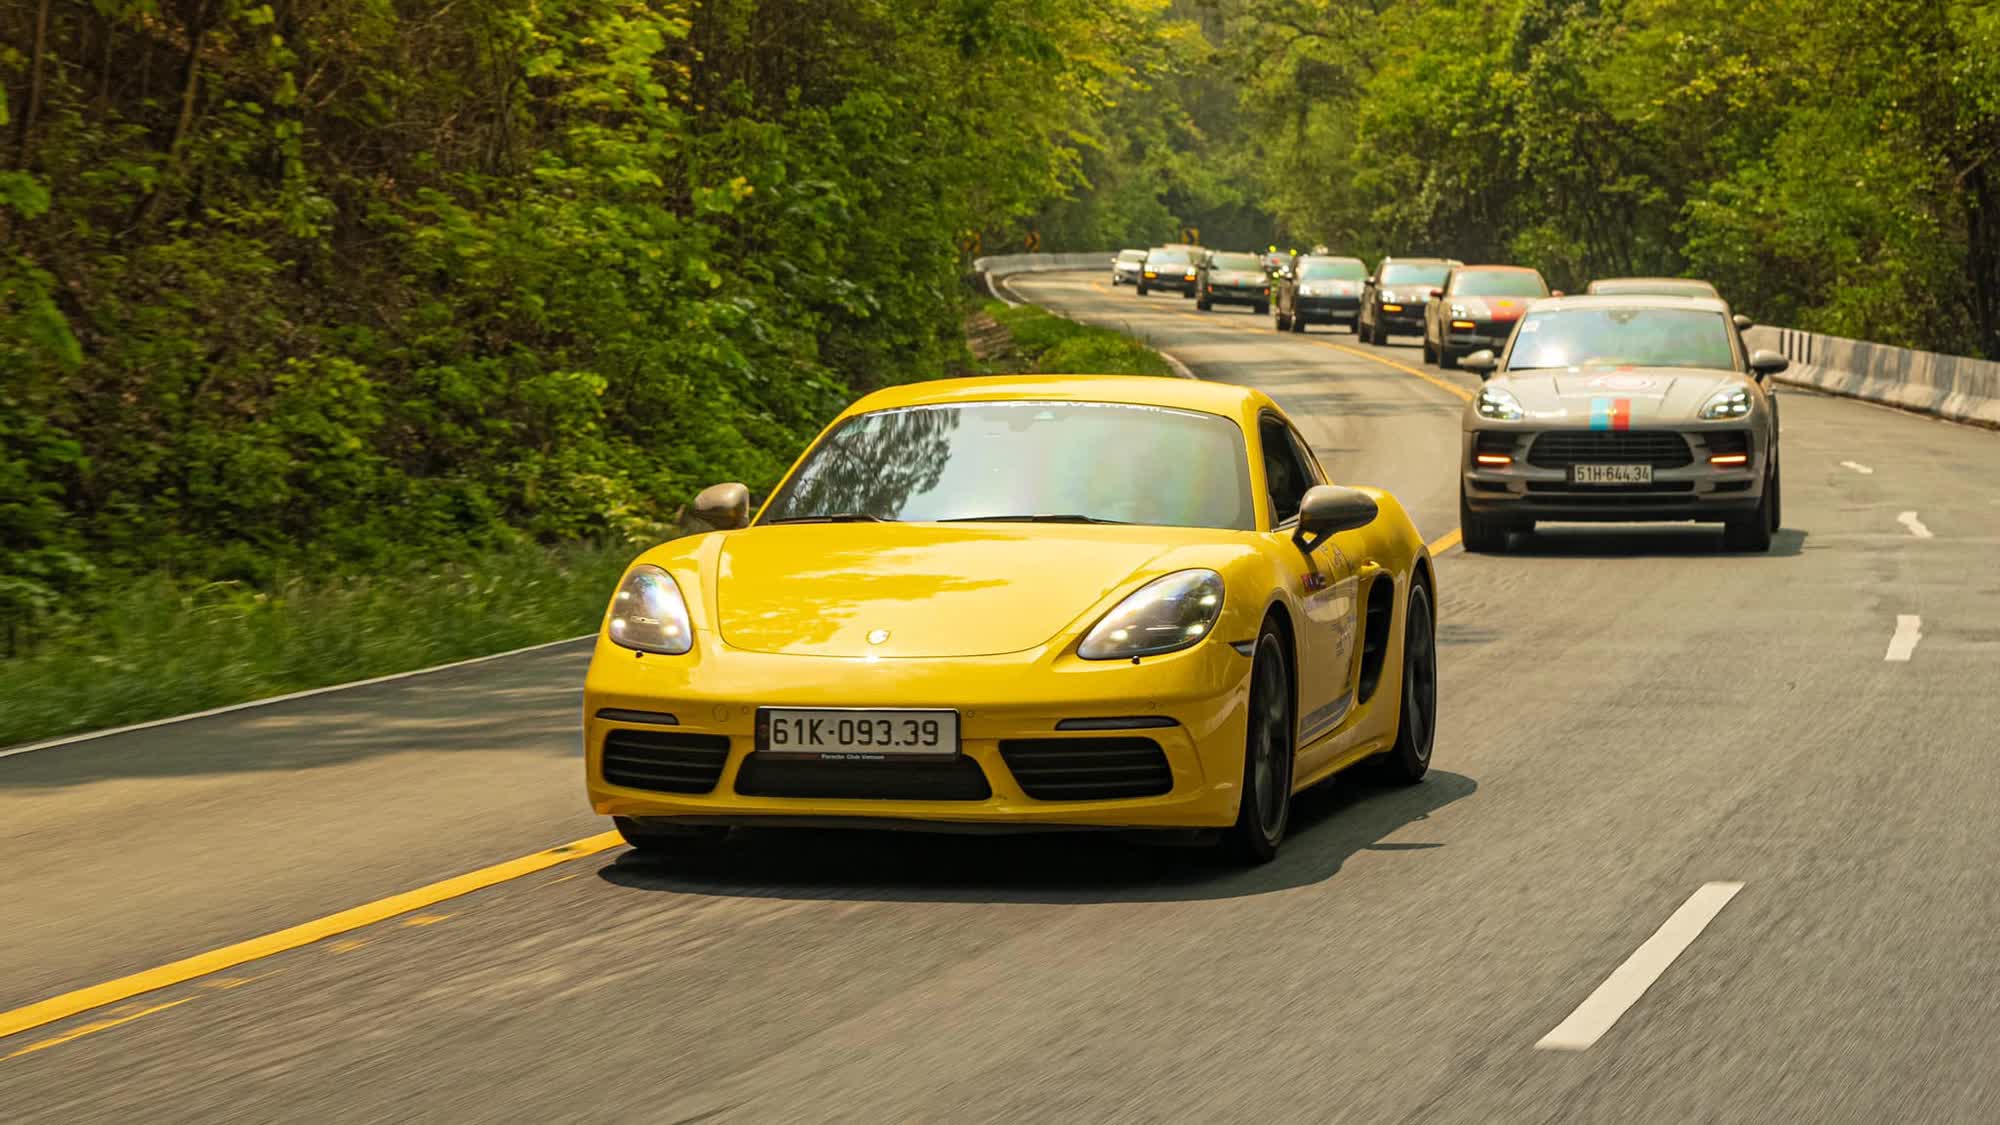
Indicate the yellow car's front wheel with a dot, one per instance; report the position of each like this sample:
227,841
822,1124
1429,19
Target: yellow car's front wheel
1267,754
1409,759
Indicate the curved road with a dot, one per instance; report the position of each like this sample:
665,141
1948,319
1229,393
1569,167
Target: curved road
1629,716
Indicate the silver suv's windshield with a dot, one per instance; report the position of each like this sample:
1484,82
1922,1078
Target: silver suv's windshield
1167,258
1636,337
1332,269
1242,262
1070,462
1131,255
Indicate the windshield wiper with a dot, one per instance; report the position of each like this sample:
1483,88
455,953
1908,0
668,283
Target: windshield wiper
1040,517
837,517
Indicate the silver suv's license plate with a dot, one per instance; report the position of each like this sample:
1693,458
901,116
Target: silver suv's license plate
1611,474
842,734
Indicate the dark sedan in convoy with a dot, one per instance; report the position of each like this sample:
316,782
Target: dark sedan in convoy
1127,266
1233,279
1170,267
1394,298
1322,290
1475,308
1621,409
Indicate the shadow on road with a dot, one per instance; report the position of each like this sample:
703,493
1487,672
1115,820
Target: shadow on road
1329,824
1584,541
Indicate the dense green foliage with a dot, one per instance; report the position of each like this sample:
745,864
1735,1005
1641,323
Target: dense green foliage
316,286
1829,166
1033,341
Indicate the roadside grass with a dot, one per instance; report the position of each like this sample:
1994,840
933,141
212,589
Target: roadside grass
166,649
1041,342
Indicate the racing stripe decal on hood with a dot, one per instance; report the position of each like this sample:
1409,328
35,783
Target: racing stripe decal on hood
1610,413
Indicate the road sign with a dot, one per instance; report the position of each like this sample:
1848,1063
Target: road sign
1034,241
1191,235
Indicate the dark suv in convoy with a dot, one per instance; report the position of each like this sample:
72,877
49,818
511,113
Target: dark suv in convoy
1393,300
1224,278
1170,267
1321,290
1476,308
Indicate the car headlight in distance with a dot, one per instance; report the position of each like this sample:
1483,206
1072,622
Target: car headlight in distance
1165,615
1497,403
649,613
1729,402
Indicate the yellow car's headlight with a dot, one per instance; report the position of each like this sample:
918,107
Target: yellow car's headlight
1165,615
649,613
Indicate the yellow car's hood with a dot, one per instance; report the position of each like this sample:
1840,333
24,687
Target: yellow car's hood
935,590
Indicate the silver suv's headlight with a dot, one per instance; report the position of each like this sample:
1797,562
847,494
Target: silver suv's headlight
1165,615
1498,403
649,613
1729,402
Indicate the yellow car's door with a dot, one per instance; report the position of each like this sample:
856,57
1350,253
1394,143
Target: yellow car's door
1326,588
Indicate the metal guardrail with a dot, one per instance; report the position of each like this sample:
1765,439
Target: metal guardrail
1000,265
989,270
1946,386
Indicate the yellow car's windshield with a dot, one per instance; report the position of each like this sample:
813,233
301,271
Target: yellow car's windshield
1070,462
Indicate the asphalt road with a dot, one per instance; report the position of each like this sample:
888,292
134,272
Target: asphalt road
1628,715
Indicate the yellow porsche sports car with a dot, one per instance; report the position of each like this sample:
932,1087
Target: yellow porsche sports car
1019,603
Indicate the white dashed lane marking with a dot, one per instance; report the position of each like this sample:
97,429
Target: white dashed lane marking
1630,980
1909,630
1916,526
1857,467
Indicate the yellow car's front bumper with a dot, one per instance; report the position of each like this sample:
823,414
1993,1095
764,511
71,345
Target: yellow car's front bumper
712,697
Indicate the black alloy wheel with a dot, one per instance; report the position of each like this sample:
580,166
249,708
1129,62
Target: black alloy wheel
1409,759
1482,535
1754,532
1268,751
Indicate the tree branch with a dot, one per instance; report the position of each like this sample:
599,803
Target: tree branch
37,75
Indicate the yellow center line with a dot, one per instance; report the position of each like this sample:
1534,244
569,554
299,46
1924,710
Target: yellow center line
92,1029
1462,394
229,956
1445,542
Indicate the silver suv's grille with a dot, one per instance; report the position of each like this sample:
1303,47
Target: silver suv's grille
1559,449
